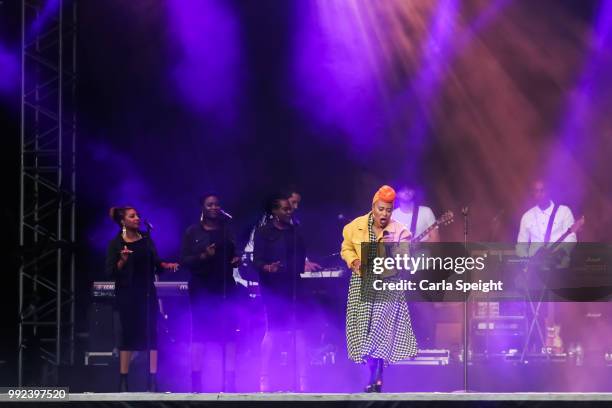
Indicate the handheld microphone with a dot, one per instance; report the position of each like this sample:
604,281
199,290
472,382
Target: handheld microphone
148,225
226,214
388,254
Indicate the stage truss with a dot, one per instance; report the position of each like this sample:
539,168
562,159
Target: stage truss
48,178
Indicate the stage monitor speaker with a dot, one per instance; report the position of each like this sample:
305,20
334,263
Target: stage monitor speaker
104,327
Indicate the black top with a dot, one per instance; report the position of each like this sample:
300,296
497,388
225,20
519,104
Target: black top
135,293
141,265
284,245
214,272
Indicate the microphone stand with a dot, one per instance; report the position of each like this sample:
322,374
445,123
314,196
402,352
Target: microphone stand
223,308
225,342
294,308
465,212
148,296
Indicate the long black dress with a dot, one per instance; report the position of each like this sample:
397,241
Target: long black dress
134,284
281,291
212,288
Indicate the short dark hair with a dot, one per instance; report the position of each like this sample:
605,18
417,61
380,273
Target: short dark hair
288,191
207,194
274,201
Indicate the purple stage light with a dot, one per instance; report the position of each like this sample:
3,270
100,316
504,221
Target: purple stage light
446,40
337,70
207,73
129,187
585,127
376,69
425,87
9,71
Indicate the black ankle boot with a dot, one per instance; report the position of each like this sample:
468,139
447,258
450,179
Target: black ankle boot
196,381
152,382
123,383
376,368
376,387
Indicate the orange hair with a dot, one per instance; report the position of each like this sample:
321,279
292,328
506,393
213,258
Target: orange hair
385,193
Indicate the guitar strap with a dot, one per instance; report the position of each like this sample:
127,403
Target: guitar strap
415,216
551,306
551,220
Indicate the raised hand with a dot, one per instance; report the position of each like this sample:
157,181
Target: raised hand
209,252
125,254
311,266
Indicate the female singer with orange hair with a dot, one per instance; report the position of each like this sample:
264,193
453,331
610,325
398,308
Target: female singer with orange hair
378,327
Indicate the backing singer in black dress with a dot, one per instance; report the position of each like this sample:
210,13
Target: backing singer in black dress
208,250
279,256
132,262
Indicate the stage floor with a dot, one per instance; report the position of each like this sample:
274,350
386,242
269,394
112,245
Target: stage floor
419,396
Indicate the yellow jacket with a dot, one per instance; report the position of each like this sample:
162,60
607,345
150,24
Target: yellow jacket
356,232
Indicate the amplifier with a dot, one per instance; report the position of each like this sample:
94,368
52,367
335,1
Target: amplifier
101,358
515,307
104,327
500,326
497,335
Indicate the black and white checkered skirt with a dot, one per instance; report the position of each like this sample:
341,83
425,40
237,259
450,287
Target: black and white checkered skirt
378,327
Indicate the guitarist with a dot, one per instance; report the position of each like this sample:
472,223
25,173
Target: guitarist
417,218
541,225
544,223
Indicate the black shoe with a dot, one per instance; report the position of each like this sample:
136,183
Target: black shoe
376,387
123,383
152,383
376,371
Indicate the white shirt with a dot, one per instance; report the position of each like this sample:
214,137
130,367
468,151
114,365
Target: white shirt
533,228
248,248
425,219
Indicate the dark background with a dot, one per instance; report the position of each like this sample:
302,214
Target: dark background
9,132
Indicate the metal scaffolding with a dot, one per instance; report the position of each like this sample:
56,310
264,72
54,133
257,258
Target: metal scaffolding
48,181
